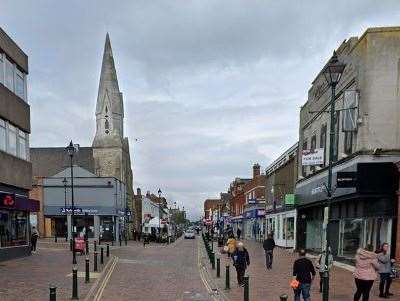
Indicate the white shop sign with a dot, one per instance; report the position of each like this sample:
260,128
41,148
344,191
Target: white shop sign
312,157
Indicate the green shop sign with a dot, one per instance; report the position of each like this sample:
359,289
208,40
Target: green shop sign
289,199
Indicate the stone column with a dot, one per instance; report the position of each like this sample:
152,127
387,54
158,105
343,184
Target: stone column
116,228
96,225
69,226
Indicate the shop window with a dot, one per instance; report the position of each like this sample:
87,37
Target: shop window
314,235
13,228
351,236
288,233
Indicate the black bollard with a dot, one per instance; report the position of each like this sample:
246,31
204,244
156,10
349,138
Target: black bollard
75,283
95,246
70,244
227,280
87,246
108,250
218,268
112,242
53,293
213,260
283,297
95,262
246,288
120,242
55,238
101,255
99,242
126,240
87,272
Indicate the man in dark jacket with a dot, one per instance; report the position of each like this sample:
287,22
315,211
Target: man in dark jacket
304,273
269,245
238,233
241,260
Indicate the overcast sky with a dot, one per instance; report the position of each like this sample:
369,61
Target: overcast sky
210,87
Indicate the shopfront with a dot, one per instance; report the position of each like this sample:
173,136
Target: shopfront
283,227
253,223
361,215
15,225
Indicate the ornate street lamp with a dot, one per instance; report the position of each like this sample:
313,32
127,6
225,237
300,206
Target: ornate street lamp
333,72
159,213
65,203
71,152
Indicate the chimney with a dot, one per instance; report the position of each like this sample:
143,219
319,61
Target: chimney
138,192
256,170
148,193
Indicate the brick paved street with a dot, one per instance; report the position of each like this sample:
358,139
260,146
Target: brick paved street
29,278
270,284
157,272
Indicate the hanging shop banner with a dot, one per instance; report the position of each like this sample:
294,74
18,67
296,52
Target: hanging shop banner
312,157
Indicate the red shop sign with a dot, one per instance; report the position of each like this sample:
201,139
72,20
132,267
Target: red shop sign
7,200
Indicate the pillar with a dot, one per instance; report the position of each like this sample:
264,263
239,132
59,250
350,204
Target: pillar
69,226
117,221
96,225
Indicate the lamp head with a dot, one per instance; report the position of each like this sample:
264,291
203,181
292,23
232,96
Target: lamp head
70,149
333,70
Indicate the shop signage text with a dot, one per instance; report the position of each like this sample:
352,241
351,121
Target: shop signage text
346,179
312,156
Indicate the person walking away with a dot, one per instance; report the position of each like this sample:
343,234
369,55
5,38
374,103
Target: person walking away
385,269
231,244
365,272
241,260
269,245
238,233
322,268
34,238
304,273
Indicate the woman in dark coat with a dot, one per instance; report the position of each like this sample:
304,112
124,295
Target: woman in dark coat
241,261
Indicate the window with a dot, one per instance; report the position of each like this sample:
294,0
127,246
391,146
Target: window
1,69
351,236
336,137
22,145
13,228
12,140
3,136
322,141
313,146
9,78
303,168
348,142
19,84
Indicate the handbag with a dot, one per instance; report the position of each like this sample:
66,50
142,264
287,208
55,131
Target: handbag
394,273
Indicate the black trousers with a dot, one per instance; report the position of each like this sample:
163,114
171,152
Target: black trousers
384,285
269,256
33,243
363,289
240,274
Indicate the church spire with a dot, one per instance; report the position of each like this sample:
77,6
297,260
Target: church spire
109,107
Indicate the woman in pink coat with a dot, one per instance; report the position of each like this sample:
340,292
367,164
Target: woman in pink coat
365,273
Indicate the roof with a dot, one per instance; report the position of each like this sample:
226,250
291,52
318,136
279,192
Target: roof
48,161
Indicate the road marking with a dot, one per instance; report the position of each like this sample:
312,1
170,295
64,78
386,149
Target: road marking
104,283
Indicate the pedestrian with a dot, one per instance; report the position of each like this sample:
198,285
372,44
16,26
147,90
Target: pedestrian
304,273
269,245
231,244
146,239
322,267
365,272
34,238
385,270
238,233
241,261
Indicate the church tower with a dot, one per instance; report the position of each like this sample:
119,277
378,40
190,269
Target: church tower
109,144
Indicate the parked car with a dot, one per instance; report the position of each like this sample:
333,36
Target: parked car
189,234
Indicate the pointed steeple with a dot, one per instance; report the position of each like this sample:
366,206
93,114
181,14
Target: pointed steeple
109,107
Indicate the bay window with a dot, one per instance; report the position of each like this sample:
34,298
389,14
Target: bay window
19,84
12,78
13,140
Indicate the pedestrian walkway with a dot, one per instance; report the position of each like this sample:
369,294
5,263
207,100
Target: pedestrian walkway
29,278
270,284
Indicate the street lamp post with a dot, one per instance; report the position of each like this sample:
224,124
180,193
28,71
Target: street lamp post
65,204
332,72
159,214
71,151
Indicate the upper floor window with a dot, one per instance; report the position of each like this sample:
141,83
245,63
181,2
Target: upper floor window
348,143
336,137
322,140
313,146
303,168
12,78
13,140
